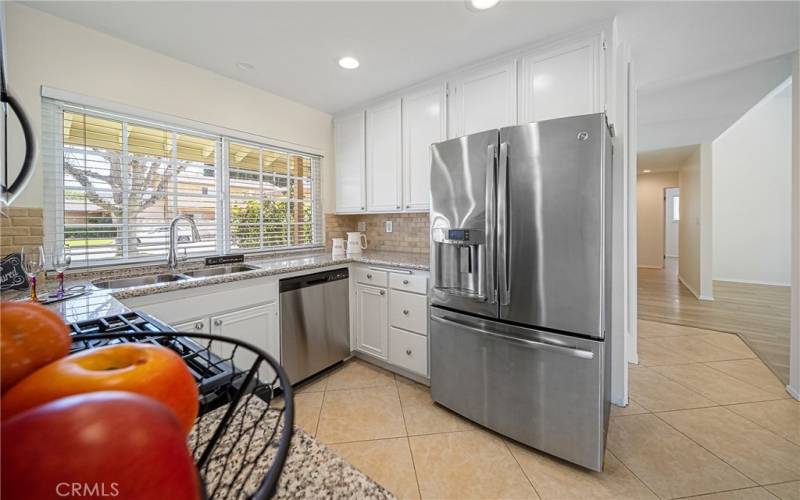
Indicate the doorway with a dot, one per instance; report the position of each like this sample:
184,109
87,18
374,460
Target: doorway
672,217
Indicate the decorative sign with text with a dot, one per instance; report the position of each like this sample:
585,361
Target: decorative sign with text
12,275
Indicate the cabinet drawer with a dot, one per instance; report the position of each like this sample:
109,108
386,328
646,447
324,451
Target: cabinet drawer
371,277
408,311
409,282
408,350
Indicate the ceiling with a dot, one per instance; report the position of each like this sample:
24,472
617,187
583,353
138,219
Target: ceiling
294,46
664,160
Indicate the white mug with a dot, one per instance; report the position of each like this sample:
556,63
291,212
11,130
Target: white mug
338,247
356,242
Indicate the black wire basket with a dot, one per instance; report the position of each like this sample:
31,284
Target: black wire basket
244,427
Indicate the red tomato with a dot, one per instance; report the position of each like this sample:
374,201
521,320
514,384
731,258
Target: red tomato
112,444
150,370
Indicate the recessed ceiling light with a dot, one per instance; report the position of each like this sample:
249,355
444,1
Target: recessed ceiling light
647,171
349,62
481,4
245,66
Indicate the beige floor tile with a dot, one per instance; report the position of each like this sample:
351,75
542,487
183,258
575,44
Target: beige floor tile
412,392
463,465
307,407
745,494
387,461
658,393
690,349
758,453
753,372
668,462
360,414
652,353
730,342
781,417
316,385
356,374
652,329
633,408
786,491
430,418
715,385
555,479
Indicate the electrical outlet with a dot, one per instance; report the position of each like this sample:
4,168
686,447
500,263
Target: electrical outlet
361,226
387,226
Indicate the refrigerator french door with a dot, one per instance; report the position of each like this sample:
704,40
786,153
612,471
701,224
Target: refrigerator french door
520,225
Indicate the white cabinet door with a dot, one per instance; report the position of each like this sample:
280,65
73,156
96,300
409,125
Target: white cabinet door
484,99
201,325
349,144
257,325
561,82
423,125
372,325
384,191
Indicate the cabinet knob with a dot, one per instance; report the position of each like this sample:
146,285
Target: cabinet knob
405,282
405,311
369,276
217,322
408,352
383,292
198,325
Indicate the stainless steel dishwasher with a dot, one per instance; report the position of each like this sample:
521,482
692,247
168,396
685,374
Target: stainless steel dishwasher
315,322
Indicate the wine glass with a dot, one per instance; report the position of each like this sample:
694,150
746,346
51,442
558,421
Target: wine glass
61,261
33,264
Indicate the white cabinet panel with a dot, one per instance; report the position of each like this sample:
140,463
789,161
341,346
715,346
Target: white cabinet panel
408,350
484,99
256,325
560,82
423,125
349,144
371,320
384,192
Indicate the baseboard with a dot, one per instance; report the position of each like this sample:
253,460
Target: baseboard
793,392
649,267
753,282
706,297
390,367
687,285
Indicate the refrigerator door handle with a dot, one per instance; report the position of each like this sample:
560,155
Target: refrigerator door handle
503,234
532,344
490,269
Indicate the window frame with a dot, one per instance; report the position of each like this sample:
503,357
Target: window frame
53,152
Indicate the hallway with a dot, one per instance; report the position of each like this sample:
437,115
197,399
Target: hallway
759,314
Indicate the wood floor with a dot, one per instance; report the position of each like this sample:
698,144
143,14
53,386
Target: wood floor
759,314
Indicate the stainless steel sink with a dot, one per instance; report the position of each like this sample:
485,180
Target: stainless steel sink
140,281
220,270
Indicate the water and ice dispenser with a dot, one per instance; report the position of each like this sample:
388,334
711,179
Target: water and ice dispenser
460,260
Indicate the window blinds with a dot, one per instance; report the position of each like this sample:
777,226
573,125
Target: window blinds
114,183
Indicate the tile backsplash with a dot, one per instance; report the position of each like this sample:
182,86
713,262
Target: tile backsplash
18,227
409,231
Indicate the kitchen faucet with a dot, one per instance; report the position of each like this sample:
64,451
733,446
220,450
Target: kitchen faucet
172,260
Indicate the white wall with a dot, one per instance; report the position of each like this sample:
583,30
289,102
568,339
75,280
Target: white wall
752,194
650,217
671,204
689,227
794,336
45,50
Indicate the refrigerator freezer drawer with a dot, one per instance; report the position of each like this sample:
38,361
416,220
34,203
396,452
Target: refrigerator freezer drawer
542,389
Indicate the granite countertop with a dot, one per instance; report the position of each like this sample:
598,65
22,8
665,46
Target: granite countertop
95,302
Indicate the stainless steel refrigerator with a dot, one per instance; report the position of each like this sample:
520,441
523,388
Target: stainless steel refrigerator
520,282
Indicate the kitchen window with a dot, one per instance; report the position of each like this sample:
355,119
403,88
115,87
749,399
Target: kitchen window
113,183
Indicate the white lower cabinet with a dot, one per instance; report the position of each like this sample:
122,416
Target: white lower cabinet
408,350
371,320
255,325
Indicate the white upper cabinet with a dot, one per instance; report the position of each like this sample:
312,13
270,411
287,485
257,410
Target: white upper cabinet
349,144
483,99
384,188
563,81
423,125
